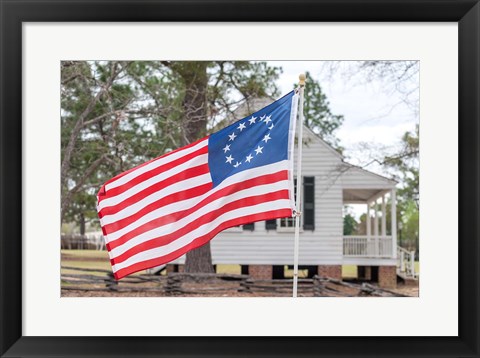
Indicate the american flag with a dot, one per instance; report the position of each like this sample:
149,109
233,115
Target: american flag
158,211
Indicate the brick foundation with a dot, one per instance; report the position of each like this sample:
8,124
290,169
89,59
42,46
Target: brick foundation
387,276
332,271
260,272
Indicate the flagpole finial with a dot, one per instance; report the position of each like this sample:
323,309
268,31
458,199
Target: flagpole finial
302,79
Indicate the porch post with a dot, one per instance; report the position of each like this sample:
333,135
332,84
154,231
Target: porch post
394,223
384,217
369,230
376,241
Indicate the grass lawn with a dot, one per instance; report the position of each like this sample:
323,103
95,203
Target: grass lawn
90,259
229,269
301,273
349,271
93,259
90,254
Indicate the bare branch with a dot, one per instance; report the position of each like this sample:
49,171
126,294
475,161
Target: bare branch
66,199
79,124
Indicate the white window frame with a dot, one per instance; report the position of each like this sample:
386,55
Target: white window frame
289,228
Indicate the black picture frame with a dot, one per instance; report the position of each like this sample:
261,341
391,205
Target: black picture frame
15,12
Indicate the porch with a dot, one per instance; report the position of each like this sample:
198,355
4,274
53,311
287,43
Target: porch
377,245
374,240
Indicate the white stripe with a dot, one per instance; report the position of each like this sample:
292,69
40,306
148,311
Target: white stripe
115,200
155,164
189,183
189,203
200,231
212,206
174,188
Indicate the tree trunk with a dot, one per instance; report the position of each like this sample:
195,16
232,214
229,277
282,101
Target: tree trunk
199,260
194,75
82,224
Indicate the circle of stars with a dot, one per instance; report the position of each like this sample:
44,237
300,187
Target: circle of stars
258,151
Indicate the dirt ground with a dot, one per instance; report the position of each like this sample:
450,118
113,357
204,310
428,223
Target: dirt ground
228,289
411,291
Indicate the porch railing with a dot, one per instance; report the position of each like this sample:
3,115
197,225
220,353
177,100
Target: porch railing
364,246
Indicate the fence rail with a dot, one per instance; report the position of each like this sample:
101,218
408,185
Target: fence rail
217,285
86,280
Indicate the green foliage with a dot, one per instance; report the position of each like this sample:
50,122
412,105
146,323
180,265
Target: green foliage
410,220
318,116
405,166
350,224
131,112
233,82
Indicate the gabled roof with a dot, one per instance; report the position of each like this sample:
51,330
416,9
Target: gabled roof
372,174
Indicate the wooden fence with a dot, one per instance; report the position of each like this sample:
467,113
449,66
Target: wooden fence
216,285
94,282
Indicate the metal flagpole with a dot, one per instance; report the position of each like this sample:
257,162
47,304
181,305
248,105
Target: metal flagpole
298,211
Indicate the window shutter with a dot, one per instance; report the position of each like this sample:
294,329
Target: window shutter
308,203
271,224
249,227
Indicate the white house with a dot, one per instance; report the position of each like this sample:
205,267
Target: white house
329,183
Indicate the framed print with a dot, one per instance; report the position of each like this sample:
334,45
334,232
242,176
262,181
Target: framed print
40,44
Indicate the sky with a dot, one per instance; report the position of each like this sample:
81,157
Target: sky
372,113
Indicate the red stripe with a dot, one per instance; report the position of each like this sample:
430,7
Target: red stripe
204,219
172,217
202,240
186,174
169,199
150,174
153,160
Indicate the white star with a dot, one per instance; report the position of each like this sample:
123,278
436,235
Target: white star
227,148
232,136
266,138
241,126
262,117
237,164
229,159
271,127
268,119
258,150
252,120
248,158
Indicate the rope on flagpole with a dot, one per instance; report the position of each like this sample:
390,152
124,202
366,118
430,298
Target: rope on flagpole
298,210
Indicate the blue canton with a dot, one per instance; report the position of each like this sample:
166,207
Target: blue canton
254,141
